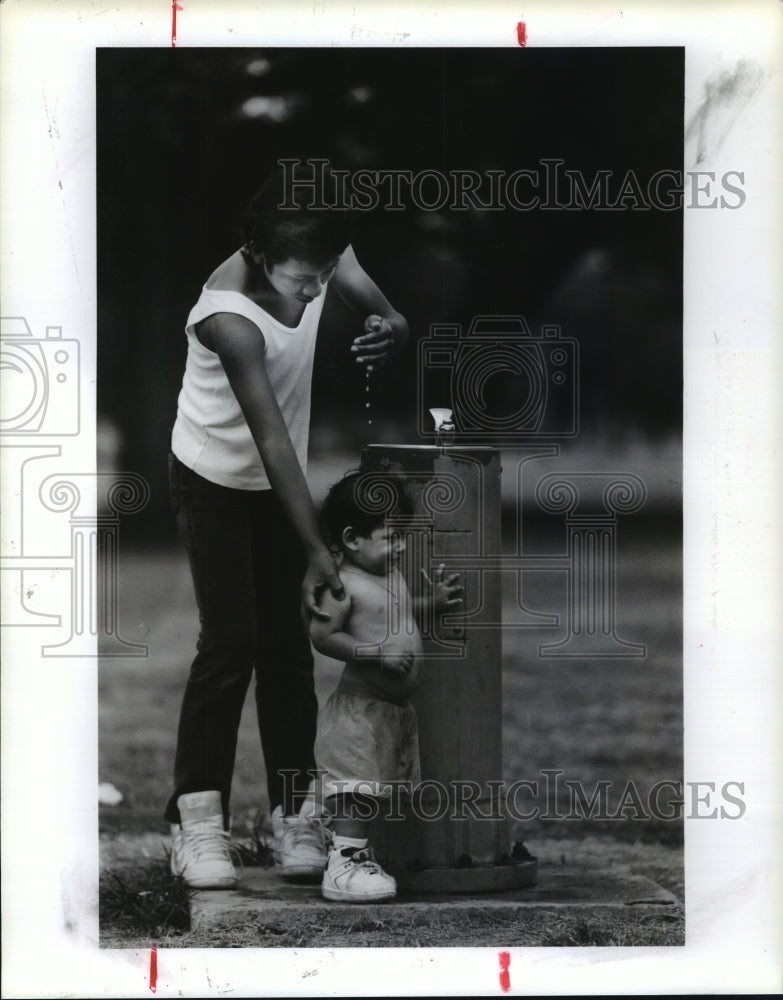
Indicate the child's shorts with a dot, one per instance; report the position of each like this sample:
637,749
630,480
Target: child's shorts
364,743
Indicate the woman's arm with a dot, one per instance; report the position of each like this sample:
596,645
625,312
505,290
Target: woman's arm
241,350
386,330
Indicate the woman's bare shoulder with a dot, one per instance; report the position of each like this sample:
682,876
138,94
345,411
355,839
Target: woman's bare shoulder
229,276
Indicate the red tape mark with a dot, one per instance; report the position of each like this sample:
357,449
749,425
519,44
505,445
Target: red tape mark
522,34
505,977
154,969
174,8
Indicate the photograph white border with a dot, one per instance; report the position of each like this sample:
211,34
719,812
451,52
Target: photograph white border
732,351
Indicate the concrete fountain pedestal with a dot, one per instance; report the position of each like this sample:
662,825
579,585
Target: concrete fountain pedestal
264,899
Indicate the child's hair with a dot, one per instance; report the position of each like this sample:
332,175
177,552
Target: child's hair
300,231
363,501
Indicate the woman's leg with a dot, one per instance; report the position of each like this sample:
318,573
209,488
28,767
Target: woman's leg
214,524
285,692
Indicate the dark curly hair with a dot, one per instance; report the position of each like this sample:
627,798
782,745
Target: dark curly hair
363,501
300,231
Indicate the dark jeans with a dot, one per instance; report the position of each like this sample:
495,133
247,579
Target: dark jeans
247,565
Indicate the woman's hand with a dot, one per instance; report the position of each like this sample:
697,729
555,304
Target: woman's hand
321,573
378,343
385,330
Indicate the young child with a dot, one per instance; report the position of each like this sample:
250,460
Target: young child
245,516
367,733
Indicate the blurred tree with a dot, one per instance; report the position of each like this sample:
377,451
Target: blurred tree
186,135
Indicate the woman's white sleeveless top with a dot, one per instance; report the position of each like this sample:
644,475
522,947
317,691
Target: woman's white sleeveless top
211,435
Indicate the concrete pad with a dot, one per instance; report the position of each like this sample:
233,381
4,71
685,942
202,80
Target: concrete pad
263,895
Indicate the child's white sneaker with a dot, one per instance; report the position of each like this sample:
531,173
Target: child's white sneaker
300,844
353,875
201,848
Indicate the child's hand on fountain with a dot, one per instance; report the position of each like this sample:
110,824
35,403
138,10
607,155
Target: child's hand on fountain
443,593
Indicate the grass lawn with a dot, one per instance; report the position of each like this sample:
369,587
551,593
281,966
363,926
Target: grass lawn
615,721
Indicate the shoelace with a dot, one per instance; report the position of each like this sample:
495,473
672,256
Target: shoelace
310,831
210,844
364,856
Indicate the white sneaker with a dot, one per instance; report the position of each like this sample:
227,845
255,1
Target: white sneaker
201,848
300,845
353,875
